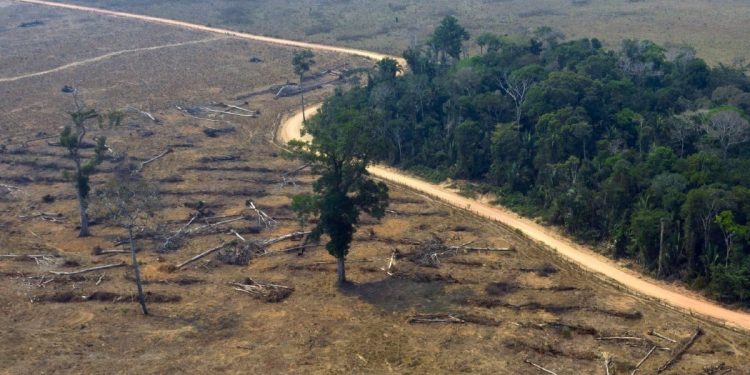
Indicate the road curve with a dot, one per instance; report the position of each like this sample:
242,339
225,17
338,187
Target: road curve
585,257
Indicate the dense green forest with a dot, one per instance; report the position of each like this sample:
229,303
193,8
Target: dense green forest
641,151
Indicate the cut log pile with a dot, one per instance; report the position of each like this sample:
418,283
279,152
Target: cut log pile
263,291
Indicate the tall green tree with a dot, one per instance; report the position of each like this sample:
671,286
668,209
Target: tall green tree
72,138
302,61
447,40
341,150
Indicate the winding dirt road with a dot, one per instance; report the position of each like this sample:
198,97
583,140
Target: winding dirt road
585,257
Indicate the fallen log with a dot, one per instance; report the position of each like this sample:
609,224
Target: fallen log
637,366
92,269
434,318
295,235
291,249
203,254
680,350
620,338
657,334
540,367
150,116
155,158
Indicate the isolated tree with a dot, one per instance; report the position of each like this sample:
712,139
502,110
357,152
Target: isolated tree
302,62
130,202
344,141
448,38
72,138
728,128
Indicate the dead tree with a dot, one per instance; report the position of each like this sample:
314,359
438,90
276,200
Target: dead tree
729,128
302,61
129,202
517,88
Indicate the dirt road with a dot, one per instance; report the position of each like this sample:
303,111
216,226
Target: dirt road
581,255
208,29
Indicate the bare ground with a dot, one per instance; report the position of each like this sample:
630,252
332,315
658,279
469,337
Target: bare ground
516,306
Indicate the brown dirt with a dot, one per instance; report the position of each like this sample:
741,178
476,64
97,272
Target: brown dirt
318,329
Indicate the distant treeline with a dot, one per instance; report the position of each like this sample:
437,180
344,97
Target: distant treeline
641,151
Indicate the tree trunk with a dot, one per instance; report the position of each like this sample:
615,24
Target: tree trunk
137,270
82,206
518,115
340,271
661,247
302,95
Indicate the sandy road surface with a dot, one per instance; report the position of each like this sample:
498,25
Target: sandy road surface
581,255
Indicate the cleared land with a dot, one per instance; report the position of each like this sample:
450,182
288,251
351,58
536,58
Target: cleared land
717,29
514,306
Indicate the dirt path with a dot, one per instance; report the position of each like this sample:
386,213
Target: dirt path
104,57
587,258
215,30
581,255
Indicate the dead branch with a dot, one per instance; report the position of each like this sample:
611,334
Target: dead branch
26,256
203,254
391,263
10,187
657,334
150,116
92,269
220,104
263,218
620,338
429,253
540,367
680,350
238,235
155,158
637,366
168,242
214,225
497,249
227,113
434,318
607,362
99,251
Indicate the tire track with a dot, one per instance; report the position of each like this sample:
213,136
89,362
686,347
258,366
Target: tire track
107,56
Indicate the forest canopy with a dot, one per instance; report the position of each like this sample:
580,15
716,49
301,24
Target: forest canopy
641,151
